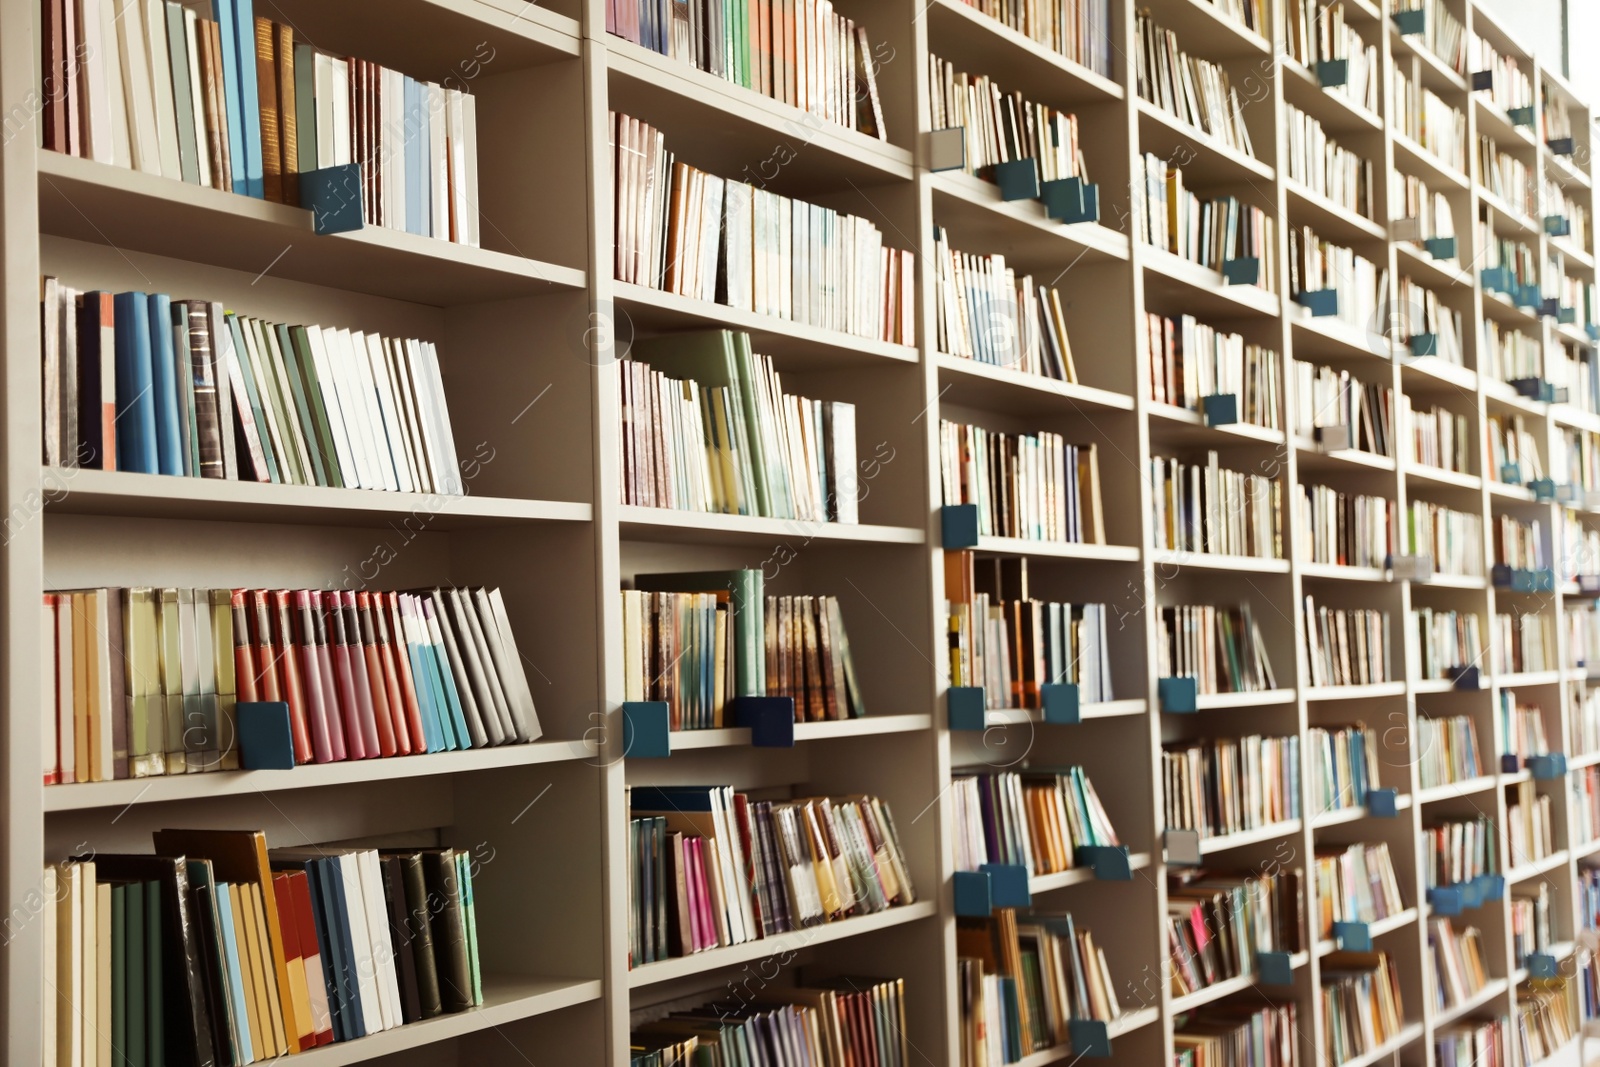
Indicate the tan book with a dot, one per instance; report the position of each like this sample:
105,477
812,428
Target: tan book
278,1001
288,135
261,1038
267,95
102,961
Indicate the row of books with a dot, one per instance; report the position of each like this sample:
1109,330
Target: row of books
1520,544
1315,34
1218,921
1530,919
1206,231
1555,118
146,682
1510,354
1530,833
1360,1002
1510,87
1220,647
1011,645
1547,1017
1210,508
1191,360
1419,213
1238,1031
1344,766
1430,122
216,949
1345,529
1230,785
1447,750
1317,266
1036,819
1021,978
1453,539
1355,883
1576,457
1001,126
706,425
1421,313
1196,91
842,1021
1514,453
1443,33
1435,437
142,382
1583,636
710,867
1346,646
1507,177
682,230
1583,715
1324,166
1445,642
1584,808
986,313
799,52
1325,397
1459,973
1079,30
1031,486
233,103
694,642
1516,258
1555,200
1524,643
1522,731
1458,850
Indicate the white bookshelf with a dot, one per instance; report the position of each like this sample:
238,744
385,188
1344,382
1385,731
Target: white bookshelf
529,329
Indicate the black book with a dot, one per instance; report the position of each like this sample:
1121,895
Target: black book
394,895
449,929
419,929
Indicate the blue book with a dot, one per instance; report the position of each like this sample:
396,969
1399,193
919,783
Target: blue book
230,950
455,719
413,123
244,33
430,695
164,387
228,32
136,406
339,926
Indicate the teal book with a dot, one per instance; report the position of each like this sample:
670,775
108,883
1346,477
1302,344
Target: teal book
470,913
230,955
747,601
183,360
213,959
455,718
228,32
137,448
119,974
155,1000
164,386
178,51
134,943
241,353
302,409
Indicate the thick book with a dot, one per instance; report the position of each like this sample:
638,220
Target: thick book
99,379
448,925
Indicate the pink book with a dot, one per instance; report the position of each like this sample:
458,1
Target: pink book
339,652
388,657
330,689
305,646
360,681
692,879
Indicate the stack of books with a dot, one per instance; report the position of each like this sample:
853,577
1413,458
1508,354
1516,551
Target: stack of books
1194,90
1514,452
1346,646
1360,1002
236,104
1031,486
146,682
1524,643
710,867
1316,34
986,313
1428,121
1446,642
1317,265
1344,766
1584,811
697,640
1510,88
1507,177
1420,313
1003,127
1079,30
1475,1041
1219,647
1035,819
1023,977
1454,539
1443,33
1325,398
1435,437
1458,968
1554,200
1218,921
1011,644
1547,1017
1210,232
1190,360
142,382
1584,715
1345,529
218,950
706,425
1355,883
1520,544
1458,850
1530,920
843,1020
1530,834
806,55
1324,166
685,231
1448,750
1510,354
1229,785
1210,508
1241,1031
1428,210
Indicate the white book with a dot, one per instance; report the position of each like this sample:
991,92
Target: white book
196,101
469,118
116,96
438,163
88,984
400,388
455,114
382,943
439,413
53,1006
393,434
66,709
415,372
143,145
377,435
340,118
514,679
322,73
92,83
361,942
356,402
158,64
47,675
333,361
109,704
344,453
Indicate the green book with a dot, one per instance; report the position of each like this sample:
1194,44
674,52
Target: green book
182,91
154,998
302,409
301,348
747,602
272,401
136,977
305,100
119,974
247,373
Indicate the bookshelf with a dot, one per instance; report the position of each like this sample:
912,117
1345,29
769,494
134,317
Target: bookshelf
530,328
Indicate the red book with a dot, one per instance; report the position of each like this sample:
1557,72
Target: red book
331,708
293,890
305,647
289,949
359,679
289,666
403,741
244,665
266,667
382,710
339,653
402,663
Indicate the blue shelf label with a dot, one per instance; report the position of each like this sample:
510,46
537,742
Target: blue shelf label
1383,803
1353,936
1222,409
958,525
1018,179
1178,696
1090,1038
770,720
1275,968
967,707
1110,862
1060,704
646,729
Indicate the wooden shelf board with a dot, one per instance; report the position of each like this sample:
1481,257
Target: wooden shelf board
1332,338
1336,221
1047,883
1131,1019
695,527
1492,989
1408,1033
1533,868
1210,160
1172,423
1341,816
1109,709
960,33
1370,691
739,737
1213,561
1018,546
1452,790
1263,699
1415,262
1201,290
969,380
1340,572
1435,476
980,221
1270,832
1397,921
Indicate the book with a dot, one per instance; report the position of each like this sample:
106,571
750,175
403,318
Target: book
1211,232
1195,90
1209,508
1347,646
1220,647
1030,486
1344,766
1035,819
1191,360
985,312
1204,783
1354,883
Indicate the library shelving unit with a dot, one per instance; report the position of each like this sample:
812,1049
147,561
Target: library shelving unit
531,327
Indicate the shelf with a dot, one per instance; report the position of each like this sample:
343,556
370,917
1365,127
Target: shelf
1210,846
1130,1020
1499,306
1434,374
1408,1033
1209,160
1491,991
963,35
739,737
1436,75
1526,679
1109,709
125,792
1356,692
1210,32
696,527
134,211
1398,921
1438,477
1331,221
1172,423
1340,572
1314,459
1416,263
1332,338
982,384
1453,790
1046,883
1211,561
1341,816
1017,546
1200,290
1532,869
1022,230
155,496
781,944
1411,156
1493,122
1335,110
1227,987
1266,698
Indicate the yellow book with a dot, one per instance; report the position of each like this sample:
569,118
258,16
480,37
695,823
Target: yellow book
250,971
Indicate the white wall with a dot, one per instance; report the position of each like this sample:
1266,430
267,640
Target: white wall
1537,24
